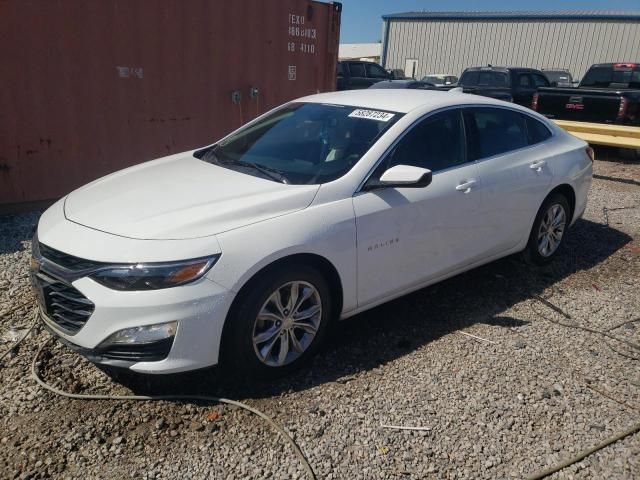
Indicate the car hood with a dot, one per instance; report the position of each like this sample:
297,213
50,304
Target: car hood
181,197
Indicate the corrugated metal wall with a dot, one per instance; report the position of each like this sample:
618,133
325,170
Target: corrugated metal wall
443,46
89,87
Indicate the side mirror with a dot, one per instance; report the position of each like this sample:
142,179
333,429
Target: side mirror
405,176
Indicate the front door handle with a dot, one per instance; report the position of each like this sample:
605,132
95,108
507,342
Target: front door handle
537,166
466,186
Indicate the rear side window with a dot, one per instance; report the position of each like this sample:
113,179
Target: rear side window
494,131
356,70
598,77
524,80
493,79
340,70
536,131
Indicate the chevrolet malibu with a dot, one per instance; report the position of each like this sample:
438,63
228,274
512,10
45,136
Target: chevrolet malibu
244,251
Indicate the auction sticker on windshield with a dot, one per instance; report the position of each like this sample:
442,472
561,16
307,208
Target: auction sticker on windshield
372,115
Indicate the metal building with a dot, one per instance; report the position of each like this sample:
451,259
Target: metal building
448,42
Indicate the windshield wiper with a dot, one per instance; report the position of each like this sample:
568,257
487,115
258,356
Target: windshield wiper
268,171
211,157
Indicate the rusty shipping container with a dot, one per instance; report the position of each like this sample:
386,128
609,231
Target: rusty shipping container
88,88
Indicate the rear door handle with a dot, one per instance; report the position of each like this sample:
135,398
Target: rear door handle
537,166
466,186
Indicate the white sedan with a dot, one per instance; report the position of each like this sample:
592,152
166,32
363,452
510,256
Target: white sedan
242,252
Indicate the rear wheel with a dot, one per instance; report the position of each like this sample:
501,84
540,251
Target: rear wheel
548,231
279,323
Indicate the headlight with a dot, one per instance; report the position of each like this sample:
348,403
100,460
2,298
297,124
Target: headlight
153,276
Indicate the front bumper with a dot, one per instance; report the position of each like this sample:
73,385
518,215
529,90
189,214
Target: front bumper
119,356
199,308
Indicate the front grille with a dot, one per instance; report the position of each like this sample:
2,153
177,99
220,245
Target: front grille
63,304
65,260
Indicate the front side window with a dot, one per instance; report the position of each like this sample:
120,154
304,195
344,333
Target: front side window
495,130
356,70
436,143
302,143
375,71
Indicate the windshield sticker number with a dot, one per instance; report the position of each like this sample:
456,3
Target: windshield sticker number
372,115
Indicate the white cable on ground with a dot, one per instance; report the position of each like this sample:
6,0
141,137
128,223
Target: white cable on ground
585,453
203,398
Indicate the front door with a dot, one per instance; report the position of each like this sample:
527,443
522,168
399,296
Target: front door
406,236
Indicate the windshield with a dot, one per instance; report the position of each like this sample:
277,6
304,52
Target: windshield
484,79
562,77
302,143
436,80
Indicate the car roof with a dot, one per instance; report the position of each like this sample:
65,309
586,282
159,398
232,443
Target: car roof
398,83
401,100
500,69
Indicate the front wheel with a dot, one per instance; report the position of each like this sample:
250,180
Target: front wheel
279,322
548,231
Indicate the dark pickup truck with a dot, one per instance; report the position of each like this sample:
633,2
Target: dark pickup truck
355,74
504,83
608,93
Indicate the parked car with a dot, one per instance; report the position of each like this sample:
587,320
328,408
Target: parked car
608,93
504,83
441,79
559,78
415,84
242,252
355,74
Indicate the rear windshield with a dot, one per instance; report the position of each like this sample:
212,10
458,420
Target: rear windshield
302,143
604,77
562,77
484,79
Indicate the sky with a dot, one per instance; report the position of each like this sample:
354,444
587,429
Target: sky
362,22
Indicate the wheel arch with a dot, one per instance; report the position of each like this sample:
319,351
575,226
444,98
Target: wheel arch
569,193
322,264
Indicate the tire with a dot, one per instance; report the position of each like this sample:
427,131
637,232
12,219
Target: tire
535,253
248,346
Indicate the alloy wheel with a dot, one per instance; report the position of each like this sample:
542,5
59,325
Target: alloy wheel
287,323
551,230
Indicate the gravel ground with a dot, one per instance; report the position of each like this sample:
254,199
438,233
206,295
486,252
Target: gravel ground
503,408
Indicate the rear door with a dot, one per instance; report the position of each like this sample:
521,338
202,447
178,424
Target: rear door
511,152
